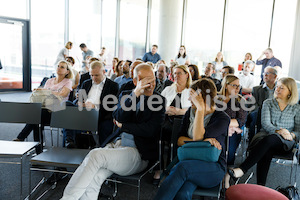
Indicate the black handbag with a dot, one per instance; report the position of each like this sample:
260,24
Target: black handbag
290,192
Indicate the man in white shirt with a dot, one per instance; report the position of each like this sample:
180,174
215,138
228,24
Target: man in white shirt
95,89
246,78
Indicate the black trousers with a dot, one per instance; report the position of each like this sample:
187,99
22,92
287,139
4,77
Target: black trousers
46,117
262,154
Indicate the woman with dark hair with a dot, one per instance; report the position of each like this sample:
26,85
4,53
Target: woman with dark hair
112,72
201,122
119,70
182,58
280,121
194,72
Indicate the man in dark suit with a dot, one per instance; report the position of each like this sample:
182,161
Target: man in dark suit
260,94
91,95
209,71
131,147
161,78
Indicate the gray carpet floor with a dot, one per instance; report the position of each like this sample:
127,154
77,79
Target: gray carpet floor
10,174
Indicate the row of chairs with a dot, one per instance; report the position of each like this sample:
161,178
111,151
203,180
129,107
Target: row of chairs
55,159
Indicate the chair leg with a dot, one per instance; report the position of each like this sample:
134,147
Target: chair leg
21,175
116,190
139,189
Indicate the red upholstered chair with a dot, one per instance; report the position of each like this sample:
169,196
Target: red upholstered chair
252,192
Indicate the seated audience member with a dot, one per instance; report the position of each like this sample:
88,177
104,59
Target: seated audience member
194,72
182,58
260,94
112,74
201,122
230,92
161,62
86,76
248,56
126,75
246,78
119,70
96,89
172,65
177,96
130,85
161,78
280,120
209,71
61,86
101,56
151,64
152,56
219,63
75,79
226,70
269,60
134,150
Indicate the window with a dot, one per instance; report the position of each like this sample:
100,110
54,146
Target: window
109,29
133,20
47,37
203,30
13,8
85,27
154,23
247,29
283,32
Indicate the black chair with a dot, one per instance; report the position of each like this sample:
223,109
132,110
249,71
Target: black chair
58,157
27,113
135,179
175,131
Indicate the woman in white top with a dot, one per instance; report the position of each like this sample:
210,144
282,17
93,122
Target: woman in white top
63,53
182,58
219,64
177,96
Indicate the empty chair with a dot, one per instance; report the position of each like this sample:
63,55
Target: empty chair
70,118
18,113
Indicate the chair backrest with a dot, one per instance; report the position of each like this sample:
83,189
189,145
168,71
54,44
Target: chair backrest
175,131
72,118
15,112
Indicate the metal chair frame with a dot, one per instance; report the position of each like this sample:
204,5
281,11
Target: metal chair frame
70,118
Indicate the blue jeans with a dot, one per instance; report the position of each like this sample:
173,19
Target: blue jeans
186,176
253,120
234,142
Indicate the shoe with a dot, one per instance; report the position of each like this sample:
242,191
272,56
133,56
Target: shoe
70,145
18,140
155,181
232,175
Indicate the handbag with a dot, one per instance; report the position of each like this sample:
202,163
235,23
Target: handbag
198,150
290,192
47,99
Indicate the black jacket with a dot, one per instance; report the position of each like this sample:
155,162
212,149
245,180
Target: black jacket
144,125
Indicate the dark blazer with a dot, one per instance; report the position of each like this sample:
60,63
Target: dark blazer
217,82
126,86
105,117
83,77
166,83
144,125
260,94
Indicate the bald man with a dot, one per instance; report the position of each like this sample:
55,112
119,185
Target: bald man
131,147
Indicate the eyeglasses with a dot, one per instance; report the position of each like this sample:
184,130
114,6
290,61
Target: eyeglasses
268,73
224,72
235,86
178,73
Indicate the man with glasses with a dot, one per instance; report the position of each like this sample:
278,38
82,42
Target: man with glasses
261,93
209,71
269,60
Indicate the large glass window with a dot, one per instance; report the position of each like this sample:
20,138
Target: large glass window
133,20
203,30
13,8
247,29
154,23
85,27
11,59
109,29
283,31
47,36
